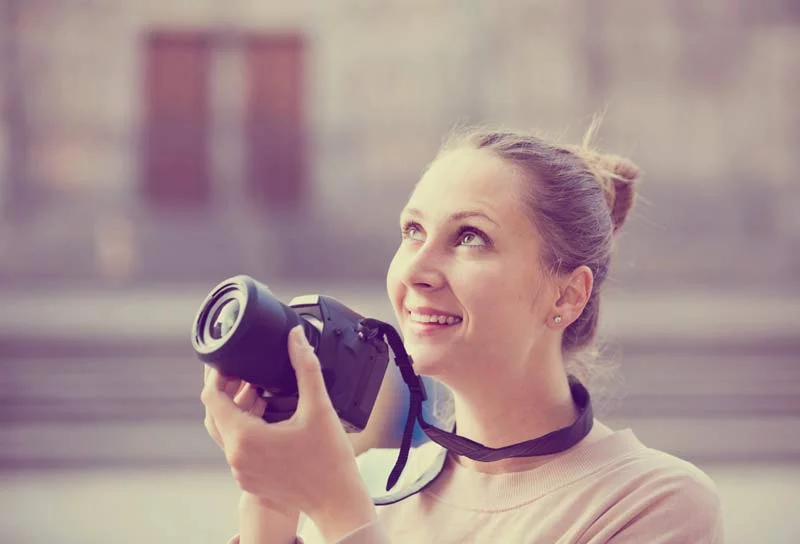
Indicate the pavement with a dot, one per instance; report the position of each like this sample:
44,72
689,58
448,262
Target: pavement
129,506
102,428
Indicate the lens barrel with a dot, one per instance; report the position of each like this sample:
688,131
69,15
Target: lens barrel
242,330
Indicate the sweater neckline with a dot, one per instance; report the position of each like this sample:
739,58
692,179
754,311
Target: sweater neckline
465,488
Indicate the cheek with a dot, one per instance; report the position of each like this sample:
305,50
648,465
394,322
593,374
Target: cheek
502,300
481,291
394,285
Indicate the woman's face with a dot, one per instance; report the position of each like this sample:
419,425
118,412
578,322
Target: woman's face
465,283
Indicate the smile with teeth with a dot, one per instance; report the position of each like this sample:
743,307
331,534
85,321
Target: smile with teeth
439,319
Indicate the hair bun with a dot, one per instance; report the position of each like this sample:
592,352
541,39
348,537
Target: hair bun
616,176
623,174
624,168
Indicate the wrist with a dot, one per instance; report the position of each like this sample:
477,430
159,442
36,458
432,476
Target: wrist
344,514
265,522
253,503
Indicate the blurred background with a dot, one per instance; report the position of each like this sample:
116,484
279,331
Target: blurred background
149,150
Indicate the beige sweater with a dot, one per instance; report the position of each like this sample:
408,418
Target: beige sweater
615,491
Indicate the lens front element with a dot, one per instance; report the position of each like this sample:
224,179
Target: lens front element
224,319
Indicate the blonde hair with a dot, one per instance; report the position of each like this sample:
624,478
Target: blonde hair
578,198
615,175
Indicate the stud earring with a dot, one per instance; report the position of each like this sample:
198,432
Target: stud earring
557,319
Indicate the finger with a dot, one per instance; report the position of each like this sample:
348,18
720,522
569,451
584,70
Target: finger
213,432
310,384
258,407
228,385
225,416
247,396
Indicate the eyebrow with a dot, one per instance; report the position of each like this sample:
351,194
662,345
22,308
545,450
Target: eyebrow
457,216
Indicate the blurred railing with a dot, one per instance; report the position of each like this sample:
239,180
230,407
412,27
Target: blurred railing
93,378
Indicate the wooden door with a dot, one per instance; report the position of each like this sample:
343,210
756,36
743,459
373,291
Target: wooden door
274,121
175,163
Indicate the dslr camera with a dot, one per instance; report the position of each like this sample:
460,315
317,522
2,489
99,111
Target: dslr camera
241,329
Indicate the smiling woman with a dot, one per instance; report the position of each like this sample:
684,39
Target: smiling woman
506,243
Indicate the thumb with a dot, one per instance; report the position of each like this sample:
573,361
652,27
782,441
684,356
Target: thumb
310,383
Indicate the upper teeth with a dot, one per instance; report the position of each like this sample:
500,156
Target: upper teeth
441,319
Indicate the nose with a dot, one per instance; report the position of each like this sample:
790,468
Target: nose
422,269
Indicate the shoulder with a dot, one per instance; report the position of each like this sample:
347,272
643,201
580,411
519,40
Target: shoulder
662,498
666,475
654,467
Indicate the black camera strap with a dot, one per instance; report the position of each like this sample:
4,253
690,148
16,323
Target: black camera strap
554,442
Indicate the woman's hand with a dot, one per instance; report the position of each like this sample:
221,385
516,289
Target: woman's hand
244,395
304,463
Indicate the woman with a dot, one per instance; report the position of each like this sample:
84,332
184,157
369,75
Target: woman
506,243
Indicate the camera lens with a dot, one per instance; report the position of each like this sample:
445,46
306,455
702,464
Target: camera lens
241,330
224,318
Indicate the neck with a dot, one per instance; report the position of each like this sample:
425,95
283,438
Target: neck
517,407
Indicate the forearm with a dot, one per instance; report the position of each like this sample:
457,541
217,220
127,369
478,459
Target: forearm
261,524
355,523
348,518
372,533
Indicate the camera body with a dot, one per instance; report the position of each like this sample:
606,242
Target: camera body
242,330
353,358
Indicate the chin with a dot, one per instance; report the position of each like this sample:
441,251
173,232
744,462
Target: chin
428,361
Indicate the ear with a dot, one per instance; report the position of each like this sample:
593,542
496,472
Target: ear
573,294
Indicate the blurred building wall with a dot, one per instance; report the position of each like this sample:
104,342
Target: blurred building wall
100,385
703,96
